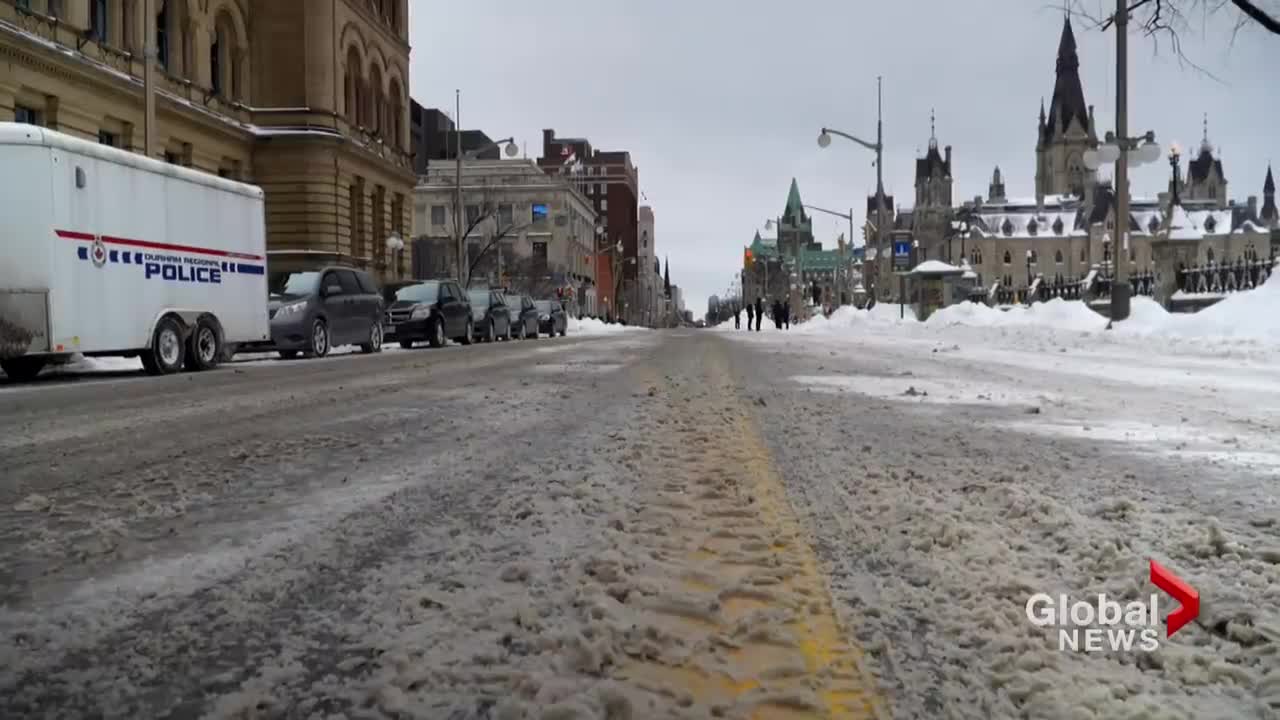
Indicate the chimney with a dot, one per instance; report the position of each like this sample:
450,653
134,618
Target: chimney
1253,206
948,154
547,137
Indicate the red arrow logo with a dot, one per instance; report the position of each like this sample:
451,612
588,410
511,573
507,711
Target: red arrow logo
1186,596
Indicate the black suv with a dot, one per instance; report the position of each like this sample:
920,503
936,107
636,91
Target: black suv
433,311
489,315
552,319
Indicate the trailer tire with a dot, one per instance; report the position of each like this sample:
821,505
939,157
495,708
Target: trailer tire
204,347
23,369
167,351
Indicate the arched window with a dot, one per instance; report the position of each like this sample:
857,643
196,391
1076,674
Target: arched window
1033,258
217,62
1033,227
1084,255
351,86
1208,253
1008,258
173,39
395,122
1007,227
1210,223
376,103
1057,257
1058,227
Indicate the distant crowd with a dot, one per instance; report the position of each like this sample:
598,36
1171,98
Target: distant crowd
779,311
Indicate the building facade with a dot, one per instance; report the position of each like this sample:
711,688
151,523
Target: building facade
309,101
524,229
1064,232
612,183
433,137
647,306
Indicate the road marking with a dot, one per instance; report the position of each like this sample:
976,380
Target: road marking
736,604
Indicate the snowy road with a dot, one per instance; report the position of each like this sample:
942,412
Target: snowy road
649,525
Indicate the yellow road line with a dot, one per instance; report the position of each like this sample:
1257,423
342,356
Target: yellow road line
739,586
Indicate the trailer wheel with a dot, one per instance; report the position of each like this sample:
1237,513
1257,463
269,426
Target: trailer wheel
204,347
22,369
166,354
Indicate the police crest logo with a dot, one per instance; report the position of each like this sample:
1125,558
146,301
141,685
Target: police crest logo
98,252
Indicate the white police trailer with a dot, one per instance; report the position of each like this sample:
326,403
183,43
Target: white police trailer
107,252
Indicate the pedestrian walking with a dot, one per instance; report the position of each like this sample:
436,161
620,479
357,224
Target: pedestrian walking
786,314
737,317
776,313
759,311
751,314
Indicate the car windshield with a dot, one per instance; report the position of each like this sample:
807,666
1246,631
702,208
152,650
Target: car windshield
544,306
479,298
420,293
294,283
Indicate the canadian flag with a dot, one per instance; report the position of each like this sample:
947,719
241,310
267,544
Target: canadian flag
570,157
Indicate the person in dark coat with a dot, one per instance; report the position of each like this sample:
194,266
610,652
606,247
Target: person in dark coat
759,311
776,314
751,314
786,314
737,317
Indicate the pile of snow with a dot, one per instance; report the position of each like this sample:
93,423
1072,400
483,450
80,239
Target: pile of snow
1057,313
590,326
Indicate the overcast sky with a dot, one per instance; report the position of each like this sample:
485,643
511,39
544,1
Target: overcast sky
720,106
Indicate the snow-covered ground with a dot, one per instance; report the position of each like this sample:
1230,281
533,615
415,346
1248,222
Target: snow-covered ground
1004,453
591,326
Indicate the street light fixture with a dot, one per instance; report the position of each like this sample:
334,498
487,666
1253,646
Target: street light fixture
1141,150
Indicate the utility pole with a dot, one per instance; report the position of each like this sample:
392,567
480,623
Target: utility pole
880,233
1119,283
149,53
459,239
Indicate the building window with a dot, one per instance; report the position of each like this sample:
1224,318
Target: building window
506,215
225,173
1008,259
1208,252
162,36
604,204
437,214
473,215
1084,255
98,20
356,208
1057,257
23,114
538,212
172,158
215,62
1133,254
109,139
24,5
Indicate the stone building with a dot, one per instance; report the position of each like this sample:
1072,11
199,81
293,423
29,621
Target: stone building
525,229
1065,230
307,100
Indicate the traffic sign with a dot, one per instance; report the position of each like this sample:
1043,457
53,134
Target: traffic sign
902,248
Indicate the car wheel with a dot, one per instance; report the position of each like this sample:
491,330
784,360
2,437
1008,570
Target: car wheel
166,354
288,354
319,339
406,344
375,339
490,333
204,347
468,336
437,334
22,369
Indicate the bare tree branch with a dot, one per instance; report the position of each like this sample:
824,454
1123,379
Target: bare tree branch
497,238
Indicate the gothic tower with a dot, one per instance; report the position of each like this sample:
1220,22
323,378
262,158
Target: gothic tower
1270,214
933,174
1205,179
797,226
995,191
1067,131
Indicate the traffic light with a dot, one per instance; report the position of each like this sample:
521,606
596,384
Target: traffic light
747,259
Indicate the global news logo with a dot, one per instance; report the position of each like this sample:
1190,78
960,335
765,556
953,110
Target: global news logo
1109,625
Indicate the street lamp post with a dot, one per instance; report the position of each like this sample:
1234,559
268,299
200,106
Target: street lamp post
394,246
824,140
842,274
1124,151
459,238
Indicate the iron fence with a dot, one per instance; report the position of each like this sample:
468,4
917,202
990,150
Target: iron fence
1246,273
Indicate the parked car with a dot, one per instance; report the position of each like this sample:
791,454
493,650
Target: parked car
489,316
552,319
432,311
524,316
314,311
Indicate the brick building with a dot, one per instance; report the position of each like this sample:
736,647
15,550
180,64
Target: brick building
612,183
307,100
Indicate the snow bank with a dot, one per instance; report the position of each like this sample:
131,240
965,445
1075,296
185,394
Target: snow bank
589,326
847,317
1057,313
